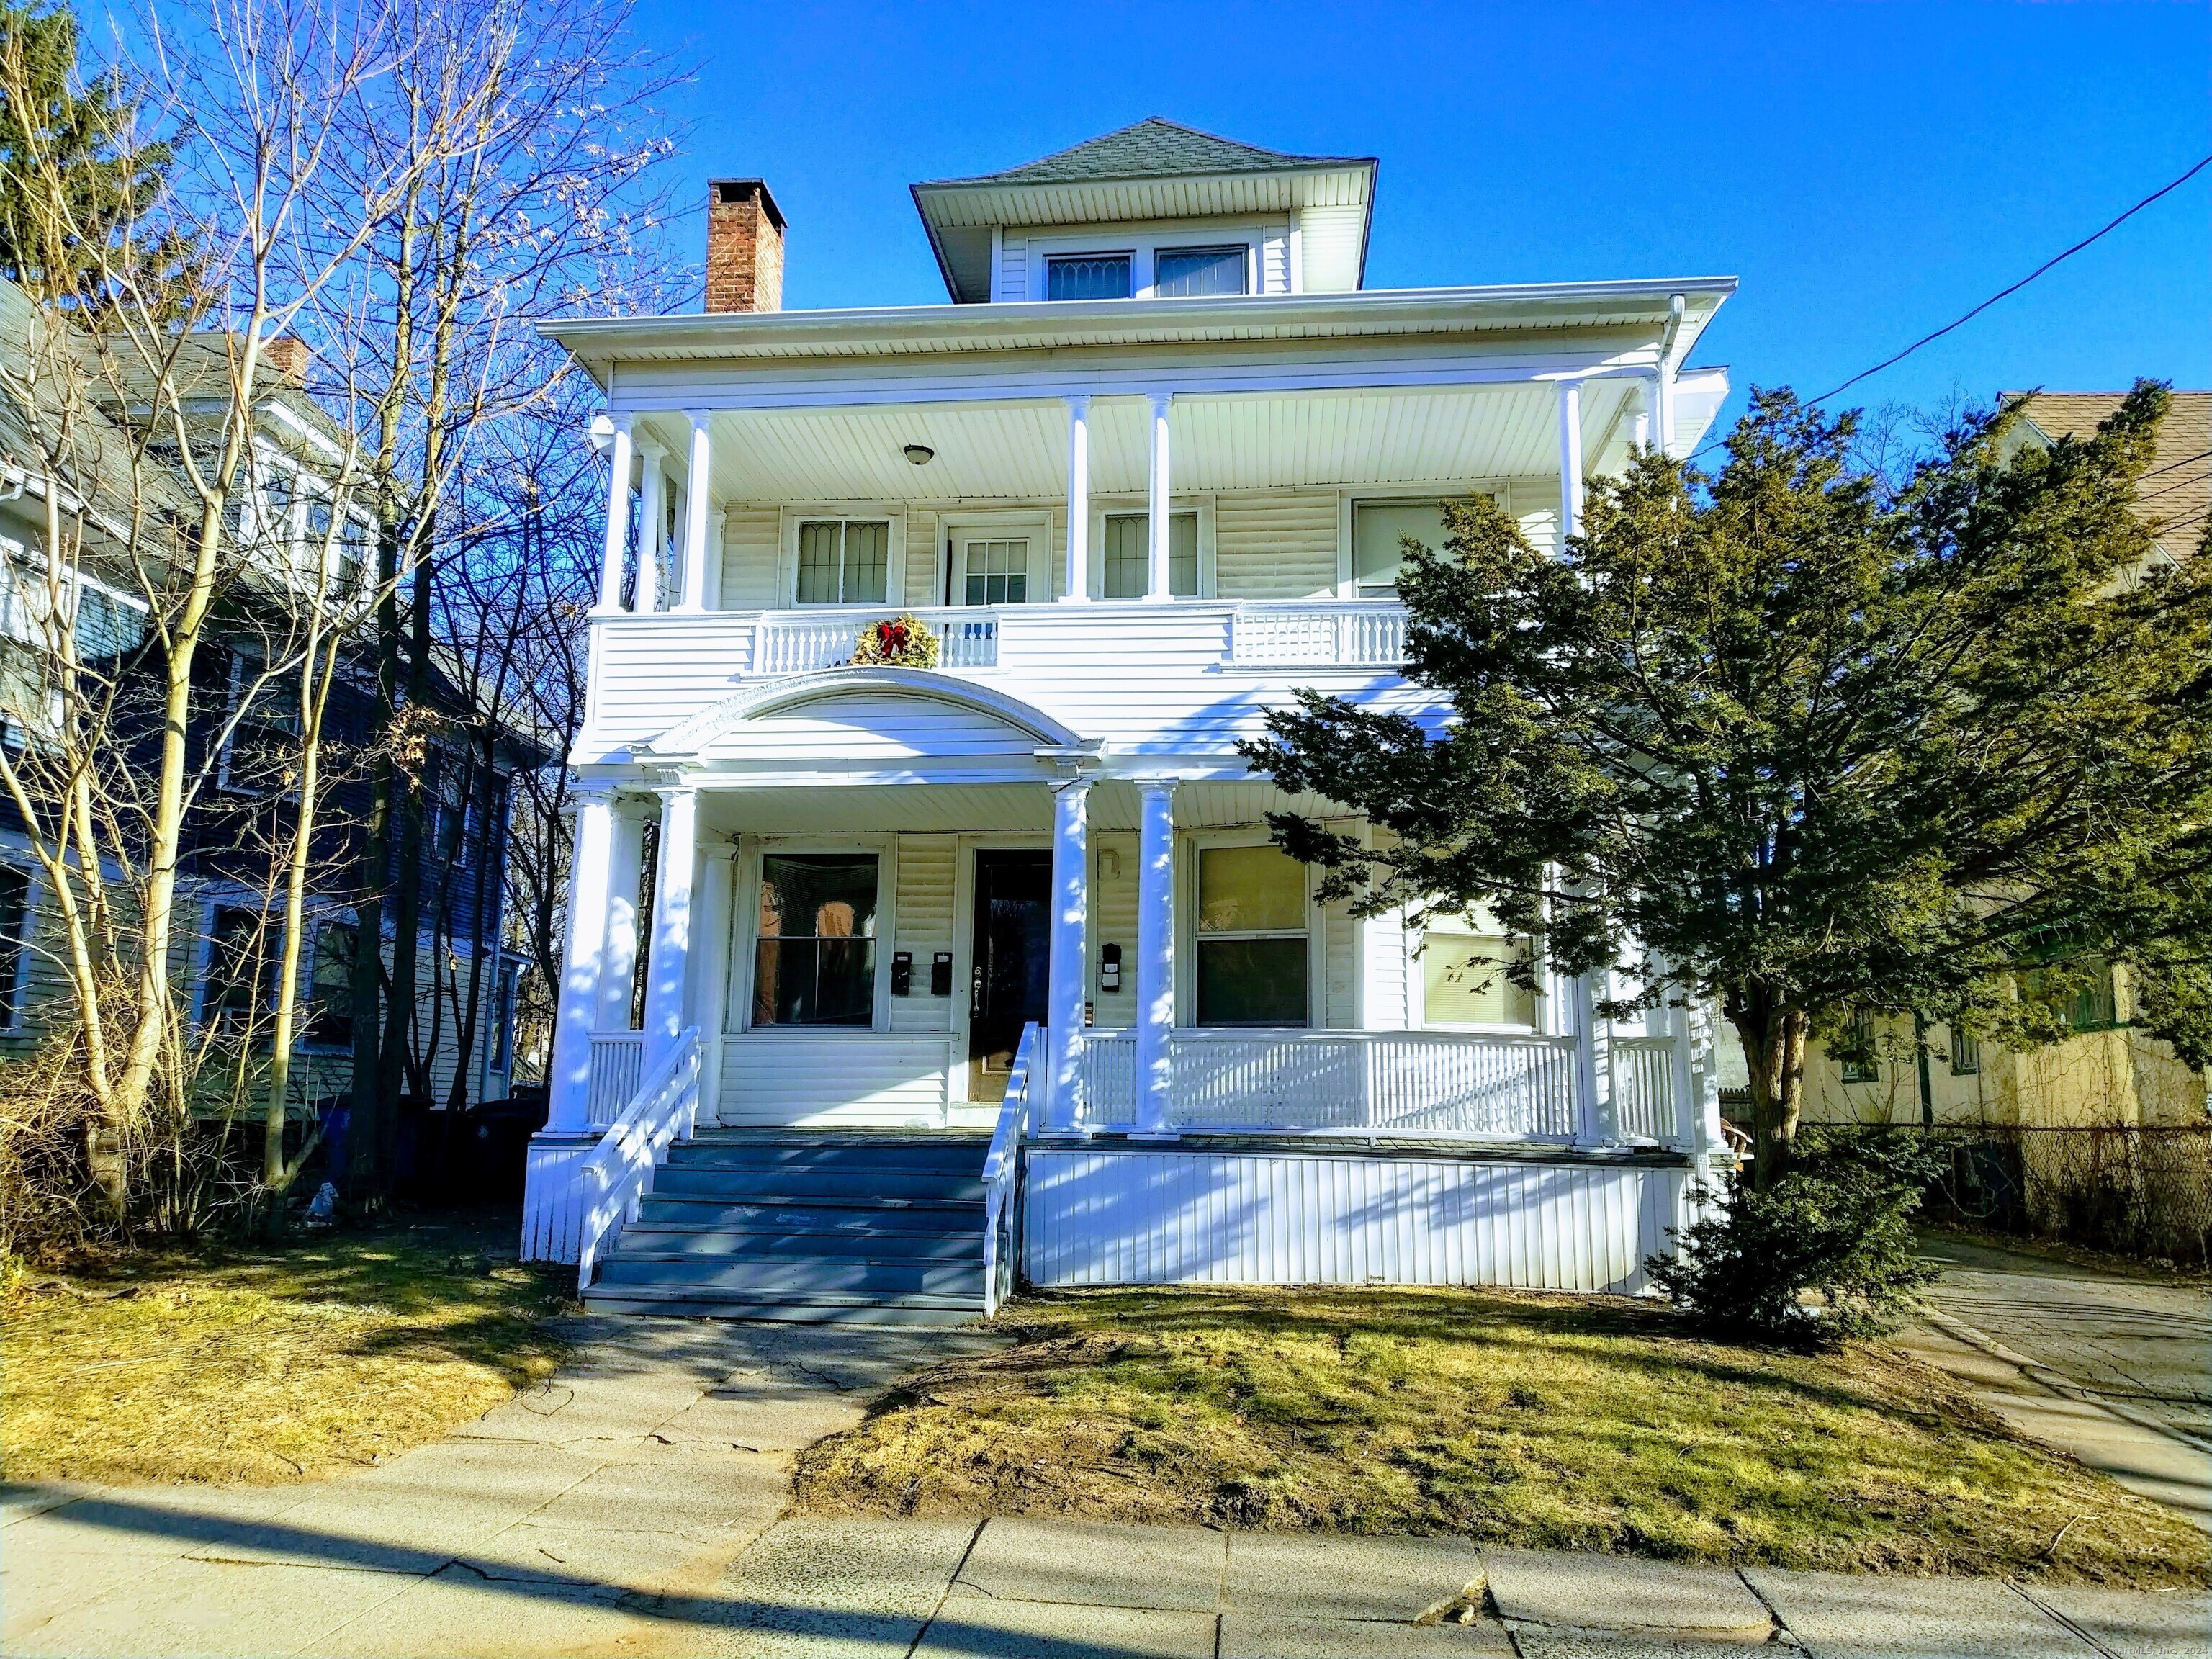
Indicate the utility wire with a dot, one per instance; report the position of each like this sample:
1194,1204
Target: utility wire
2004,294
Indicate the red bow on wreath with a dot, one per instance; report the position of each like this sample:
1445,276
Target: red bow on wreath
892,638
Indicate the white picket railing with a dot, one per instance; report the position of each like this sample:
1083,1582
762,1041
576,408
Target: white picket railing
801,642
617,1058
1419,1084
1326,633
1002,1178
1643,1105
613,1179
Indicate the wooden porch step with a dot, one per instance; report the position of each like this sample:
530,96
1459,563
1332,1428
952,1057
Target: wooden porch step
813,1308
791,1275
721,1239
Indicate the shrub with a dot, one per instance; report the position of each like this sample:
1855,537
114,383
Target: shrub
1838,1226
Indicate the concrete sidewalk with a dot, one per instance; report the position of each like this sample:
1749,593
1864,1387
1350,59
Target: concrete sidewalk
2115,1371
630,1508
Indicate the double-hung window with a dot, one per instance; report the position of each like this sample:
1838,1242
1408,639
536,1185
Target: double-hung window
15,941
1378,551
1181,273
1125,567
239,969
843,561
502,1022
1858,1061
1087,276
330,985
1965,1052
261,755
814,962
1464,977
1252,932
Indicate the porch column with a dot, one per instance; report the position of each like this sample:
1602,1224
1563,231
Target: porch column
625,874
1642,401
710,997
672,921
652,526
691,593
1161,585
617,544
1070,904
1589,1112
1154,1071
576,1011
1571,461
1078,499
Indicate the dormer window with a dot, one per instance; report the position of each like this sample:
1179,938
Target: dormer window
1088,276
1181,273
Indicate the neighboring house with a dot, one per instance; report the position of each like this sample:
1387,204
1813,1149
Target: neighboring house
1141,482
243,732
2108,1073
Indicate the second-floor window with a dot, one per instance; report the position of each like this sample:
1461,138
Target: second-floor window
1191,272
260,755
1088,276
1378,549
843,561
1858,1061
1125,569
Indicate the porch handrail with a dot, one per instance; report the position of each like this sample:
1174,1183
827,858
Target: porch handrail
617,1057
613,1178
802,641
1317,633
1002,1179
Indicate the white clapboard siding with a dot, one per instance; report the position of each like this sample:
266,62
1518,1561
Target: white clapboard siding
1113,920
878,726
926,866
1275,546
751,558
1329,237
1094,1216
1340,936
1013,266
1387,1005
1275,262
853,1079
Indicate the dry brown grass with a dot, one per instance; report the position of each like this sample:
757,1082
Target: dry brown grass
1547,1422
263,1367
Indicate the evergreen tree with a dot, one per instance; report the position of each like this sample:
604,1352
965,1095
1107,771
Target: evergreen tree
1814,742
73,171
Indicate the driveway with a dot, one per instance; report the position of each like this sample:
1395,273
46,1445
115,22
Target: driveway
2114,1368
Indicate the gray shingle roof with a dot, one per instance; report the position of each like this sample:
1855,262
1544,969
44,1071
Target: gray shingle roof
1151,148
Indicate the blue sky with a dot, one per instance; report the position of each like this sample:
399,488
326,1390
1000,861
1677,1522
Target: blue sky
1870,172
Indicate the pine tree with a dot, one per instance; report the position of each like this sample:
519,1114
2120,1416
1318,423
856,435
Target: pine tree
1813,741
73,171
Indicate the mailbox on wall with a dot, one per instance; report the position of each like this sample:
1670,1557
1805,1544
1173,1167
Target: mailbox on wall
940,974
902,973
1109,968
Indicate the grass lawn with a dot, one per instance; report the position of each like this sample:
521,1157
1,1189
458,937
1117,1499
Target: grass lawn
1550,1422
271,1365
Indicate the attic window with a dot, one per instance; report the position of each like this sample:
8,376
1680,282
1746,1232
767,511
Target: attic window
1194,272
1088,276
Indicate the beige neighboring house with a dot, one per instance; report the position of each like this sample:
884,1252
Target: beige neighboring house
2107,1073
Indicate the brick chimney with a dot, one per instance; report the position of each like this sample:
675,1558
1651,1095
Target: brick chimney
287,355
744,247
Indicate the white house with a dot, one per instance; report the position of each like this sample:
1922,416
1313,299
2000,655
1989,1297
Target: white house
1142,480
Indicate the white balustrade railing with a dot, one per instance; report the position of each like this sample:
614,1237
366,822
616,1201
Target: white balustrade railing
614,1177
802,641
1419,1084
1643,1105
1002,1178
1325,633
617,1058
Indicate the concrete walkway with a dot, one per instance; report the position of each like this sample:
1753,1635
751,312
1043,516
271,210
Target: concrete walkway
2116,1371
631,1508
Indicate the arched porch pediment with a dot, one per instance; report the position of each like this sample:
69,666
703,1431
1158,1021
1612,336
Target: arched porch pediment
863,714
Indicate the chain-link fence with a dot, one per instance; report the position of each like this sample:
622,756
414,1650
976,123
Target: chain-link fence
2141,1191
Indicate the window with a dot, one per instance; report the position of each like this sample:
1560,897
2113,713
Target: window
450,809
1190,272
502,1021
2095,1007
814,962
1464,980
998,571
843,561
353,560
277,510
318,529
238,975
1857,1058
1966,1054
258,757
1088,276
1376,550
105,627
1125,569
330,985
15,936
1251,967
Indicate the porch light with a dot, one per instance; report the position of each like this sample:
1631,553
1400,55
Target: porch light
919,455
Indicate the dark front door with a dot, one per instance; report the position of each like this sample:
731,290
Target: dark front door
1013,924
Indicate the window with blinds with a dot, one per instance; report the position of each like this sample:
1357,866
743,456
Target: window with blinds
1377,546
843,561
1251,966
1125,565
1465,978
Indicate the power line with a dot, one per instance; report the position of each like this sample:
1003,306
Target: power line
2004,294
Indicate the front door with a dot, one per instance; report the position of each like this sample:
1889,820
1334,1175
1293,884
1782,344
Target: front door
1014,928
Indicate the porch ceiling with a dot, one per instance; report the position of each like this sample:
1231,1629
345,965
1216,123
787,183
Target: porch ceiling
949,809
1019,451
